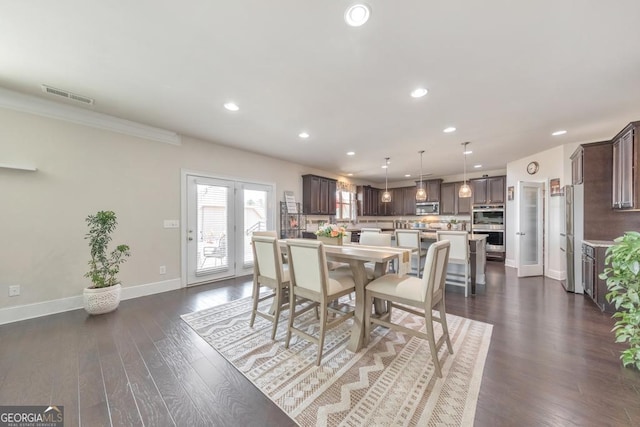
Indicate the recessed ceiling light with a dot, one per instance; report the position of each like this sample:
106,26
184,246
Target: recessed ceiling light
559,132
357,15
349,174
407,175
467,152
419,92
303,135
449,129
384,166
477,166
351,153
231,106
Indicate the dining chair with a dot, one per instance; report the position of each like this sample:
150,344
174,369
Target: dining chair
270,233
374,239
458,255
410,239
310,279
268,271
408,293
370,230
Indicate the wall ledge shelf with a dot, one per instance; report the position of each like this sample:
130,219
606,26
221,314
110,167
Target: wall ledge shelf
16,167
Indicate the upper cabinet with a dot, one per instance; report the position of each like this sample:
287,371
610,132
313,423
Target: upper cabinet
433,190
368,198
450,202
409,195
486,191
625,163
577,168
318,195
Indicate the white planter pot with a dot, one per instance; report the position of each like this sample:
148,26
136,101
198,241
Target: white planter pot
101,300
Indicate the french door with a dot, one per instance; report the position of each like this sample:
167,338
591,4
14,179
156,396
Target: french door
221,216
530,229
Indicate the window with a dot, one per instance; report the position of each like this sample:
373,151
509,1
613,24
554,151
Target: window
345,201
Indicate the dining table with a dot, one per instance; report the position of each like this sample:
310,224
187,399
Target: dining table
356,256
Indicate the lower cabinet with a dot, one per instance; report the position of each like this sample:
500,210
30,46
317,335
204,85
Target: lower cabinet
593,258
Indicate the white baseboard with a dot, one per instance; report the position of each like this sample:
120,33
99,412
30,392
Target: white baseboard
557,274
510,263
45,308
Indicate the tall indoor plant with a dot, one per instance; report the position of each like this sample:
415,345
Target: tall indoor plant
104,295
623,283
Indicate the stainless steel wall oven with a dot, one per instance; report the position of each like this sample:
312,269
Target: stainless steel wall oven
489,220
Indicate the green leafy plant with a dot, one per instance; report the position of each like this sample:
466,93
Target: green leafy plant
623,283
104,266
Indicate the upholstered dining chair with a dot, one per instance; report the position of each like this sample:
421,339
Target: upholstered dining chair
374,239
410,239
426,294
458,255
310,280
268,271
370,230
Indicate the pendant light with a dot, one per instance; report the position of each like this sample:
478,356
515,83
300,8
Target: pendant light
421,193
386,196
465,190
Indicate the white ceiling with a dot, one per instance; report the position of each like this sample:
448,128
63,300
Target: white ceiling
505,73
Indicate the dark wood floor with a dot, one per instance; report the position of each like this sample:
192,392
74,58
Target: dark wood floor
551,362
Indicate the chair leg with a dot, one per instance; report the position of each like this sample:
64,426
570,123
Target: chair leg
256,294
466,280
292,315
445,328
432,344
276,314
323,324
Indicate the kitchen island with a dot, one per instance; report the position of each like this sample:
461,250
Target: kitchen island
477,255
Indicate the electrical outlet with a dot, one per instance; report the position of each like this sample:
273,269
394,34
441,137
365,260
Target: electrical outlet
14,290
163,269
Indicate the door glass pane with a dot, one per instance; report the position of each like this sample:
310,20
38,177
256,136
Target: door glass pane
529,255
212,217
255,219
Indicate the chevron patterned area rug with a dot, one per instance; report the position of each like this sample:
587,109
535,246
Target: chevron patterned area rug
390,383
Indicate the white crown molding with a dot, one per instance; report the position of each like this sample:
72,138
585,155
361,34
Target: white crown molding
55,110
45,308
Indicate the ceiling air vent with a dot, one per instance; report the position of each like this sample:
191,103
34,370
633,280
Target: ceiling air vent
68,95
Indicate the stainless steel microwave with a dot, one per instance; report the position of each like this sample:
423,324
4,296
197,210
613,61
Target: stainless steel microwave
428,208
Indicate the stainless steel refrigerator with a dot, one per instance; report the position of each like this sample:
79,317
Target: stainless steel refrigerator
574,229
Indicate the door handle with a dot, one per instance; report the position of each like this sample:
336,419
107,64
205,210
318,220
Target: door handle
519,233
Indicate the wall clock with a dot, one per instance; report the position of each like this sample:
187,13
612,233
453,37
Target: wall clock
533,168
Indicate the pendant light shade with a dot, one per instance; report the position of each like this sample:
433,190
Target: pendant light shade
386,196
465,190
421,192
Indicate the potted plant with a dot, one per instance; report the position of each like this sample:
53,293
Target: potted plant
104,295
331,234
623,283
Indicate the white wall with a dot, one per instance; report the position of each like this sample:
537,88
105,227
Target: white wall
82,170
554,163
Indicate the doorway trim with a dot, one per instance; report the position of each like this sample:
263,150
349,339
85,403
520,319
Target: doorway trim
183,210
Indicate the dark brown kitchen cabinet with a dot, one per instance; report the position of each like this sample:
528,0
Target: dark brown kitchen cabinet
486,191
450,202
395,205
368,200
318,195
593,263
626,179
577,162
433,190
409,194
